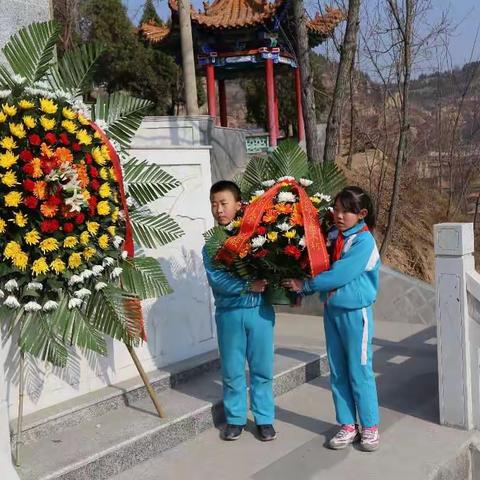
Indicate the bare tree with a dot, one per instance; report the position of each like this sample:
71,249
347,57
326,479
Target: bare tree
66,12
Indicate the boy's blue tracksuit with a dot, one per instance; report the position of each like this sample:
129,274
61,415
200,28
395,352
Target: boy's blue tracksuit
245,324
351,286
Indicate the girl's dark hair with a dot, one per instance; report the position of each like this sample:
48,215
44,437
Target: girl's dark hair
227,185
353,199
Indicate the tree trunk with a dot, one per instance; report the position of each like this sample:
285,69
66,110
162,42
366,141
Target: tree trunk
314,151
347,54
406,35
353,114
188,61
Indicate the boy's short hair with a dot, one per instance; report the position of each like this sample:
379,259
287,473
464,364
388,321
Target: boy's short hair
229,186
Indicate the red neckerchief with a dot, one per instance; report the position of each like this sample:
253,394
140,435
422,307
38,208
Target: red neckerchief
340,243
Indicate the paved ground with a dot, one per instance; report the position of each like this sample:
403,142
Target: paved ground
412,441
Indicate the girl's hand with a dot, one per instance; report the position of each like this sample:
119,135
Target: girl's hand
293,284
258,286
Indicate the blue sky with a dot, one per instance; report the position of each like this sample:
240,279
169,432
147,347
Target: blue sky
464,13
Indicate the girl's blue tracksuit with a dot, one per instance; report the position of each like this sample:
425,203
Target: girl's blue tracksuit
245,333
349,289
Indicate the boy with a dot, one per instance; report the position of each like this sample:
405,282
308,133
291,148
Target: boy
245,324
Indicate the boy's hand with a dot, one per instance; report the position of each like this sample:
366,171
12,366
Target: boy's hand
258,286
293,284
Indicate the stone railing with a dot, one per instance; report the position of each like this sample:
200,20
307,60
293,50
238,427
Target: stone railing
458,325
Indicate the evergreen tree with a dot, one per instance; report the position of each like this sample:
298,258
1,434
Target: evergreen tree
150,14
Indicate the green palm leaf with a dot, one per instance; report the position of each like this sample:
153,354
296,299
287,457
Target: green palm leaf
6,81
288,159
123,114
153,230
30,51
257,170
146,181
327,177
144,276
71,72
214,239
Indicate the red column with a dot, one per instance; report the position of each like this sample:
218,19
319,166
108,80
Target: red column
222,94
277,124
270,82
298,95
212,104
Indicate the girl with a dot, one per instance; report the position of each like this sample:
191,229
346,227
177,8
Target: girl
349,289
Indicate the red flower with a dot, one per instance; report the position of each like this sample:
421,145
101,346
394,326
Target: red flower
292,251
95,184
31,202
93,172
261,253
34,139
48,166
68,227
88,158
64,138
49,226
51,138
54,200
29,185
92,204
261,230
80,218
76,147
28,169
26,155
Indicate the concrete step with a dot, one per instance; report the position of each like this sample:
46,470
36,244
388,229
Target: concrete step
110,441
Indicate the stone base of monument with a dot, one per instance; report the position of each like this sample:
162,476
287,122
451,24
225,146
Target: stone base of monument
111,430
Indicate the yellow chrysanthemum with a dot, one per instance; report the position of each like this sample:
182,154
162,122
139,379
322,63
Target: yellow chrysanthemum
290,233
68,113
9,110
17,130
115,215
113,175
86,195
29,121
20,260
315,200
97,135
8,143
70,242
58,265
93,227
12,199
272,236
11,249
111,230
48,106
105,152
9,179
47,123
21,220
25,104
3,225
103,241
49,245
32,237
83,137
69,126
104,190
83,120
89,252
8,159
103,173
74,260
40,266
98,156
103,208
3,117
84,238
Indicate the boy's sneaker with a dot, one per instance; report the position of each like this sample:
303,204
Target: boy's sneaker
232,432
266,433
370,439
344,437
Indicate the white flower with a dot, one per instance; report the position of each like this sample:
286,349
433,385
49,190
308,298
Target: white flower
5,93
2,295
34,286
108,262
32,307
75,279
82,293
305,182
117,241
116,272
124,255
330,209
284,227
258,193
129,202
74,303
282,179
86,274
322,196
11,285
100,285
286,197
258,241
97,270
50,305
301,243
268,183
230,227
11,302
121,215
